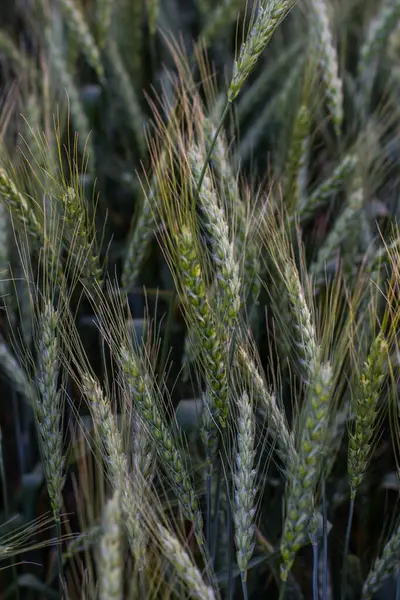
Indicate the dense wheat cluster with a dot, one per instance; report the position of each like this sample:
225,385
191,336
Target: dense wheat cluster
200,299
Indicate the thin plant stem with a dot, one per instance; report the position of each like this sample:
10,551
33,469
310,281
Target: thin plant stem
212,145
7,508
324,543
59,553
216,511
244,589
229,535
282,590
208,500
346,548
315,568
168,327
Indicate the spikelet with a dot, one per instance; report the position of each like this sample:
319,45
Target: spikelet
245,490
329,187
210,338
328,61
110,562
47,405
385,566
185,568
270,15
227,268
77,25
305,471
365,408
168,452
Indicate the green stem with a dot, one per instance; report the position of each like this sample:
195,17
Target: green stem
7,508
346,549
282,590
244,586
59,552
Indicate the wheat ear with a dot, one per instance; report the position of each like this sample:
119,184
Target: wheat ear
147,407
110,563
245,490
361,438
103,16
227,269
328,60
76,22
275,416
116,461
305,471
213,347
328,188
187,571
270,14
385,566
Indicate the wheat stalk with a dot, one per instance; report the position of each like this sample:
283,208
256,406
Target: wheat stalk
110,562
385,566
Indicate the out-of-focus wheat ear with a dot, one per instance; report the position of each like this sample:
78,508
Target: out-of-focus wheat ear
48,404
116,461
219,17
377,36
103,18
226,266
328,61
110,561
213,354
296,157
385,566
328,188
143,396
138,242
305,471
185,568
10,50
268,18
344,226
276,418
15,373
76,22
303,325
124,90
245,490
4,254
366,414
128,33
63,79
153,9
